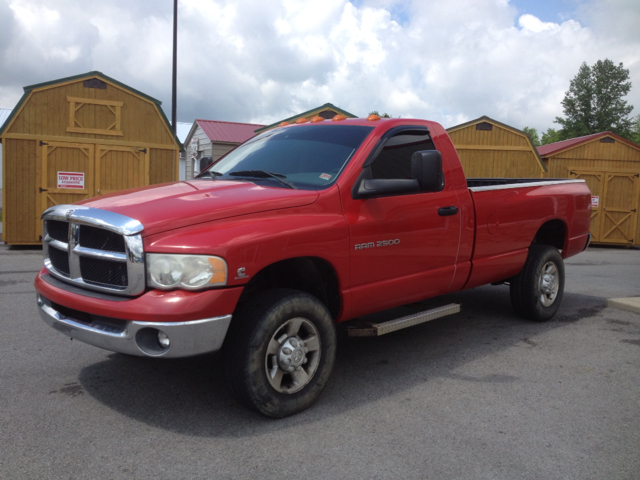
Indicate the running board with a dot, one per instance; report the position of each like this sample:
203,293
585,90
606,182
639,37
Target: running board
377,329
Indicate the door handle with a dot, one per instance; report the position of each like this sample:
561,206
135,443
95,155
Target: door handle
447,211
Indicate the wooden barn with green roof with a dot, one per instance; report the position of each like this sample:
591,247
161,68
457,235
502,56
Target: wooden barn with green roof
491,149
77,137
326,111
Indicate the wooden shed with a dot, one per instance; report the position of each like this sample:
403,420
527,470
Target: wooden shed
490,149
75,138
610,165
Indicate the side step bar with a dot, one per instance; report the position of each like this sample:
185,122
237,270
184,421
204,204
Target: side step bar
377,329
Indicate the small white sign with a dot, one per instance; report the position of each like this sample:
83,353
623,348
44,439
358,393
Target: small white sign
71,180
595,201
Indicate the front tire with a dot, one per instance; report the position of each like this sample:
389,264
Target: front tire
536,292
280,352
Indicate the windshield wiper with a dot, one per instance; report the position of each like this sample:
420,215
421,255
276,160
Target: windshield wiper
211,174
263,174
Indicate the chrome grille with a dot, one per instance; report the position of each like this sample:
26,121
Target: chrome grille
104,272
60,260
99,239
58,230
95,249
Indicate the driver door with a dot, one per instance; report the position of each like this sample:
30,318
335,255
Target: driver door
403,248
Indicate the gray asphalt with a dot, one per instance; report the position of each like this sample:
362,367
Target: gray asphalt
478,395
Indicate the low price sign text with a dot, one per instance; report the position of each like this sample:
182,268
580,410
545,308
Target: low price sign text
71,180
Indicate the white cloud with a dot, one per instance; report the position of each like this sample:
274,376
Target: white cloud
249,60
535,25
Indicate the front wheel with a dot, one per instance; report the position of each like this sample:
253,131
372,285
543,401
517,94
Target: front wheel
536,292
280,352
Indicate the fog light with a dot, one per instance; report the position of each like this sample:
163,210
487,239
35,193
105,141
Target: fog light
163,340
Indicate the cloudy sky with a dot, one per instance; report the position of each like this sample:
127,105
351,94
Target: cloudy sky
260,61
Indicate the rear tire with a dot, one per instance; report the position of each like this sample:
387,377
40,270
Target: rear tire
536,292
280,352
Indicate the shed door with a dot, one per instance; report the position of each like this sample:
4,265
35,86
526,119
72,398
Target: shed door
67,174
119,168
595,182
620,208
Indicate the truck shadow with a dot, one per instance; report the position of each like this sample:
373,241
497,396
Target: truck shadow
189,396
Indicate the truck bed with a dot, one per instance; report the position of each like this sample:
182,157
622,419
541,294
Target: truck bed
509,212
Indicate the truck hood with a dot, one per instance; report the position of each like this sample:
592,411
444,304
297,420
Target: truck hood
170,206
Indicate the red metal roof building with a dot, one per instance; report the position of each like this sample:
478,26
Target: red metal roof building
208,140
552,148
610,165
227,132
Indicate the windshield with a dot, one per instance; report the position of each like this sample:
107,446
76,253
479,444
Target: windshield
307,156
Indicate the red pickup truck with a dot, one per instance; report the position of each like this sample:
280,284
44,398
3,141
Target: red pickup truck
297,229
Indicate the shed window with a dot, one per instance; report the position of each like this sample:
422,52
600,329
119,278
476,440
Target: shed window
327,114
484,126
95,83
607,140
90,115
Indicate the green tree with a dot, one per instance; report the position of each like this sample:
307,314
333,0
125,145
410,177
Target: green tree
532,133
384,115
551,136
635,130
594,101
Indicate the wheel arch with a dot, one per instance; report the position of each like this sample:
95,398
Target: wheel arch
312,275
553,233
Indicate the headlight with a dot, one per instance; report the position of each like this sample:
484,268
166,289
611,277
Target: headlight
191,272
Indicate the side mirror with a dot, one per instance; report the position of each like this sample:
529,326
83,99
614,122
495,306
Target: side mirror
426,167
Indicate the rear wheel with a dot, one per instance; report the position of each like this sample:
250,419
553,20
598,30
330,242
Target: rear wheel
280,352
536,292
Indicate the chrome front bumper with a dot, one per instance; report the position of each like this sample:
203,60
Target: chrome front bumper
186,339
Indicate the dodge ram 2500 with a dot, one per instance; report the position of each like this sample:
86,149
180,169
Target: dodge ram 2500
298,229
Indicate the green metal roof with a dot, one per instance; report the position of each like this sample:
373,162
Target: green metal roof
304,114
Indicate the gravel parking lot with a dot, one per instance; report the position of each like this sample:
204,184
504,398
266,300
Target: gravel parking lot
478,395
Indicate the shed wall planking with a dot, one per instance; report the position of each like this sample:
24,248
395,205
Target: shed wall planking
162,166
20,191
496,137
495,153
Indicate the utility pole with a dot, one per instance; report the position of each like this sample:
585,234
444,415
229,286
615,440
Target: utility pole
175,65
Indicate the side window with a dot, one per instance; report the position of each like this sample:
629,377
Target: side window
394,161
